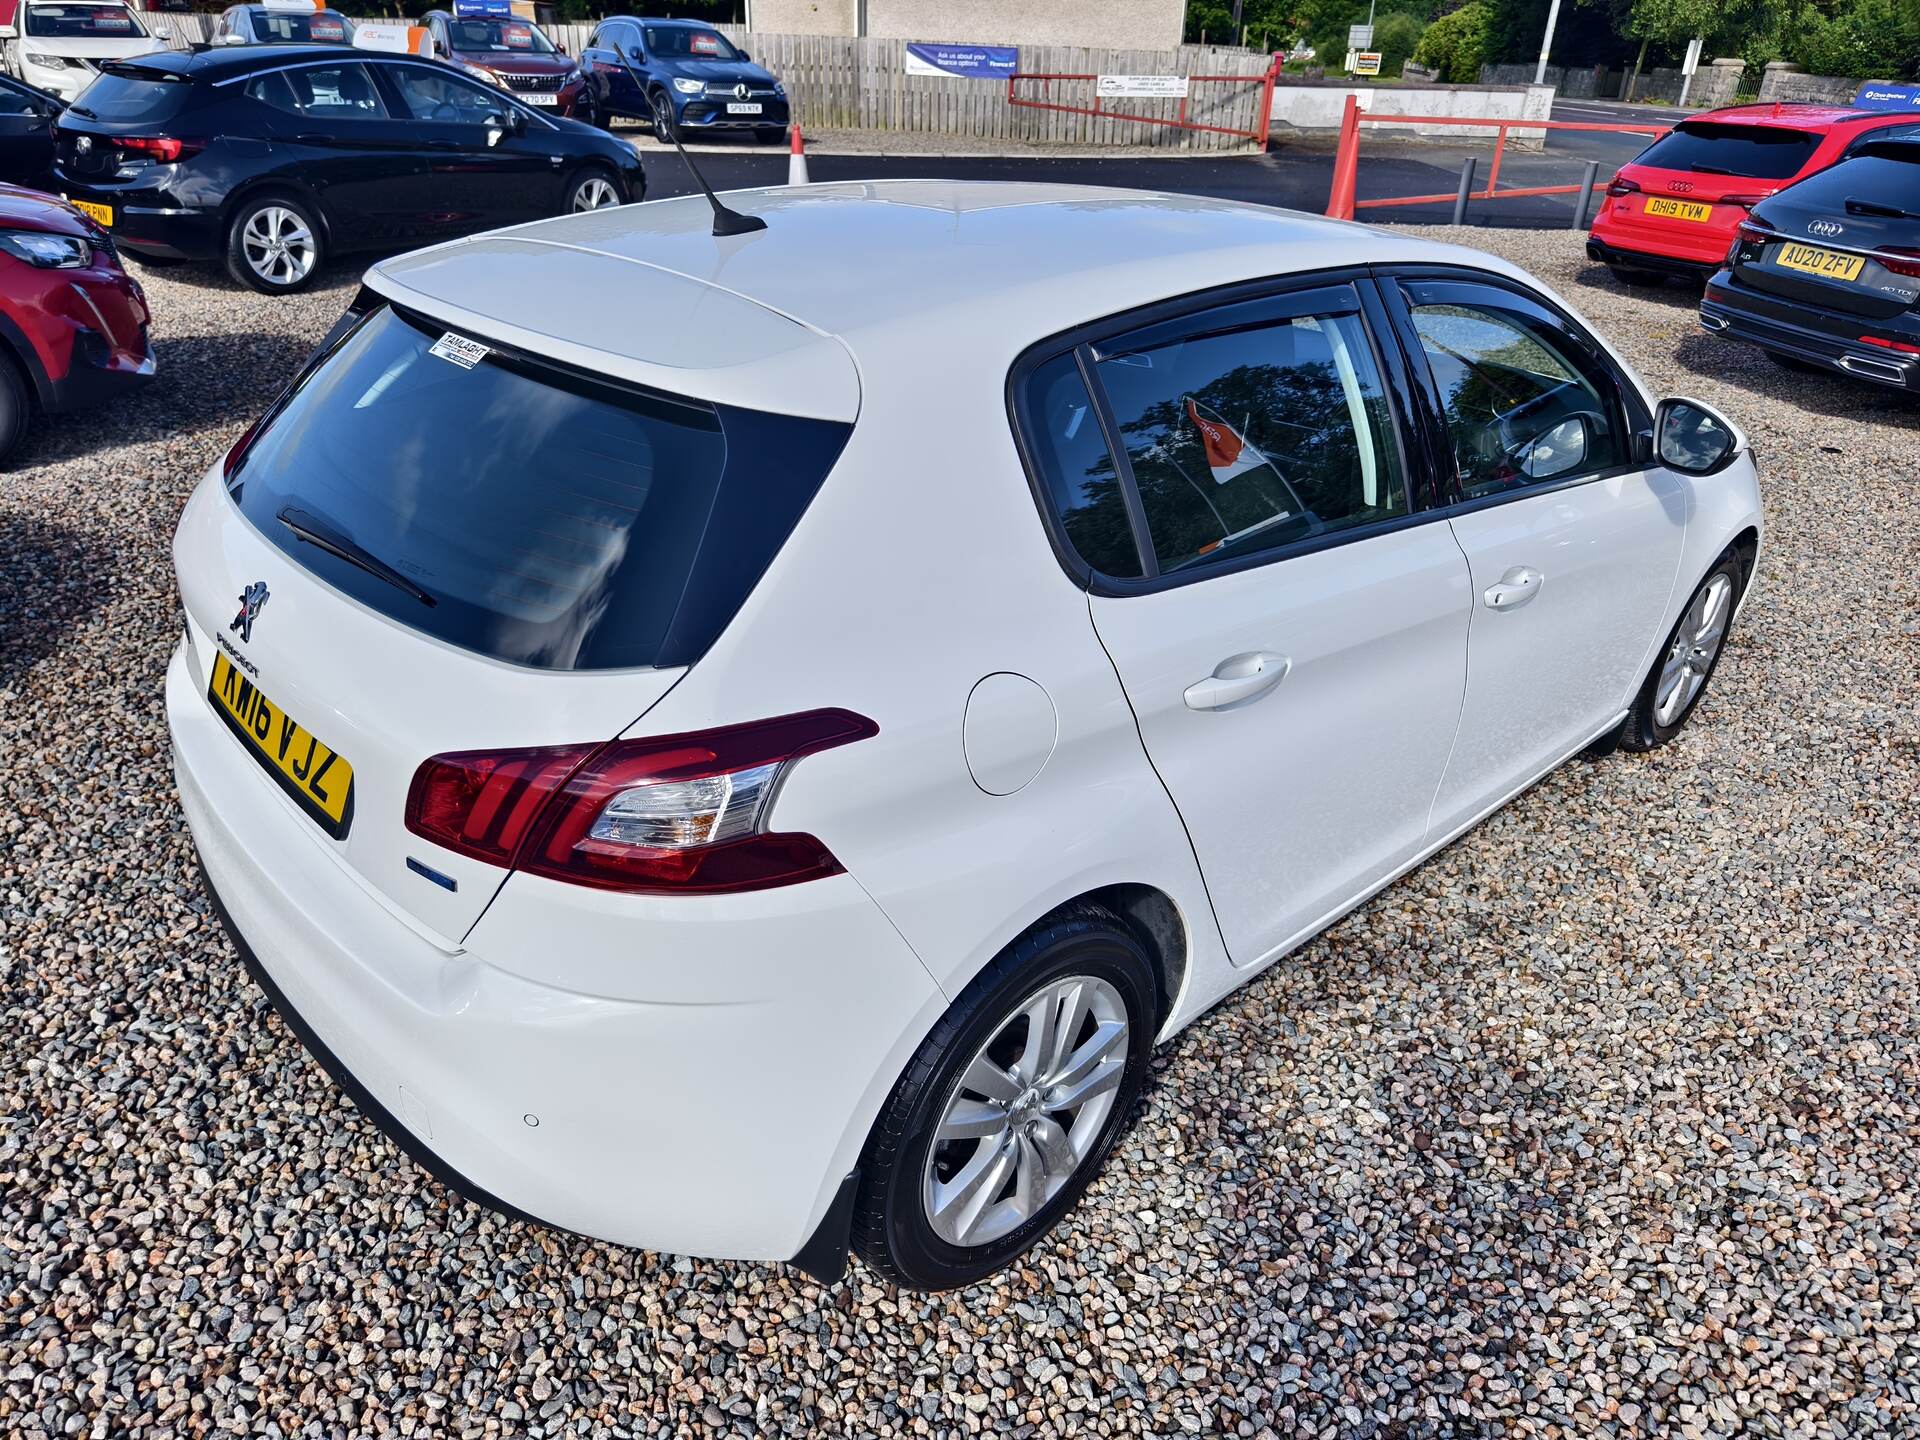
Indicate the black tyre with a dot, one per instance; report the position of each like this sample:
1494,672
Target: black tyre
1687,661
274,244
662,107
593,188
1010,1106
1628,275
16,407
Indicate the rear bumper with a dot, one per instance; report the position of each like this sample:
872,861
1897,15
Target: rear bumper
1610,254
1725,311
720,1119
151,222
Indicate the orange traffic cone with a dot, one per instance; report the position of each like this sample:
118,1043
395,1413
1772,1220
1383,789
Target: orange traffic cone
797,160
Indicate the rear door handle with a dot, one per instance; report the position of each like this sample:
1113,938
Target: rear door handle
1519,585
1237,679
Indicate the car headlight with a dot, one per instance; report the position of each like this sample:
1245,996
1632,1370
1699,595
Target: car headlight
48,62
44,251
480,72
689,87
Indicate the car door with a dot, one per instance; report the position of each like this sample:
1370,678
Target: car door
620,69
1572,534
26,133
344,146
485,173
1288,624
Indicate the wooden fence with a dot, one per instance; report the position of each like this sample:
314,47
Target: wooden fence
843,83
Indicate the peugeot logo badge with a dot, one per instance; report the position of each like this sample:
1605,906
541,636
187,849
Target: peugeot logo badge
1829,228
740,91
83,146
1681,185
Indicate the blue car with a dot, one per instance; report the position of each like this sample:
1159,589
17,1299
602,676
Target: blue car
681,75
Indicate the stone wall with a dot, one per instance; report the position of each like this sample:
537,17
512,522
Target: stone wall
1784,81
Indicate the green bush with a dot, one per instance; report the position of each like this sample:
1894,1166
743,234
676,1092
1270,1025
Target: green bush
1865,39
1455,46
1396,36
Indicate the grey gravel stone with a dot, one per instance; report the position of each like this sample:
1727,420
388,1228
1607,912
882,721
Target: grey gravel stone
1604,1122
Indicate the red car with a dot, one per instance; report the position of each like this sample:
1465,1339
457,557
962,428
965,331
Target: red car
1674,208
73,324
512,53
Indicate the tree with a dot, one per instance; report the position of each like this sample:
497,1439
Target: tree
1456,46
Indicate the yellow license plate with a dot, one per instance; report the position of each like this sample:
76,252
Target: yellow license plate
102,213
319,780
1812,260
1680,209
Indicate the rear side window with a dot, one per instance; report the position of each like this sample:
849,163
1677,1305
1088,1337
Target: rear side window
527,512
130,95
1750,152
1071,453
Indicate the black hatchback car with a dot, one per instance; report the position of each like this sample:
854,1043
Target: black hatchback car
1827,272
277,156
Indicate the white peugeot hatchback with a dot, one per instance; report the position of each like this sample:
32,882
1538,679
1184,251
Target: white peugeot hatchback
742,745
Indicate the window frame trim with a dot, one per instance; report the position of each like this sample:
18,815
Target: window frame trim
1396,380
1639,419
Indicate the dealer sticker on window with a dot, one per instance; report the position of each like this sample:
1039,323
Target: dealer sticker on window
461,351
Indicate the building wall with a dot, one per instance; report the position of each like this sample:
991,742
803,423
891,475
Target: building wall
1102,24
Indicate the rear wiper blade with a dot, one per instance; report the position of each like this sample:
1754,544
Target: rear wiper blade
342,546
1710,170
82,110
1874,207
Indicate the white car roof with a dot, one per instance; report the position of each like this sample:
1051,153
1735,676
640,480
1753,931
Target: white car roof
872,268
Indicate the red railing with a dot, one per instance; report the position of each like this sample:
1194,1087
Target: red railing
1346,163
1181,119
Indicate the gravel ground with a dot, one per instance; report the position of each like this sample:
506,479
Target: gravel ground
1605,1122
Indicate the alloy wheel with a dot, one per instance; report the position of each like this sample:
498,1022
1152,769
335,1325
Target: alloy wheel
595,193
1696,644
278,245
1026,1111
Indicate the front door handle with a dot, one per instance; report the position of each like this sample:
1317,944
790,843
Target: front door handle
1238,679
1519,585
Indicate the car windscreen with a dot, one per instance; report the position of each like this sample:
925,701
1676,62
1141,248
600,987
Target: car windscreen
499,36
676,43
87,22
136,96
529,512
291,27
1751,152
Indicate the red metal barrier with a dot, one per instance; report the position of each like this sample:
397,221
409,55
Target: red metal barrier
1181,120
1346,161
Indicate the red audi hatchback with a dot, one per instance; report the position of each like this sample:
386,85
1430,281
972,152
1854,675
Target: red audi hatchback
1674,208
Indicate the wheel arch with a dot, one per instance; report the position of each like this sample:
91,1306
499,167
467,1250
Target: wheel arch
276,185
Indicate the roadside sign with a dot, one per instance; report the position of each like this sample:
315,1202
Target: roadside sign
1882,95
1366,62
1359,37
965,62
397,39
1113,87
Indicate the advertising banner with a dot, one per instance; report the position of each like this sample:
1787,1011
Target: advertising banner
1115,87
963,62
1882,95
398,39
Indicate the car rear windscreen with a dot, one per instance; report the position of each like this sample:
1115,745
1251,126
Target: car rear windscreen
526,511
1751,152
132,96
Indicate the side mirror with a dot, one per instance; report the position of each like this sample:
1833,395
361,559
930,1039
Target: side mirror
232,38
743,55
1692,437
1554,451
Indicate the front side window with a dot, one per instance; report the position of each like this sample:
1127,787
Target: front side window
82,22
1253,437
445,97
1520,405
17,102
522,510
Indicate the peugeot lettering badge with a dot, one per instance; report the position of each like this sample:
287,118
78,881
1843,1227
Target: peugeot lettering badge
1828,228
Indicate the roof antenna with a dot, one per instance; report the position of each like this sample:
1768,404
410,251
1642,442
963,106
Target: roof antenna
725,221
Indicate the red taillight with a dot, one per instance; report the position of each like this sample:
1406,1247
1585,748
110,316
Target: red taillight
1900,345
1617,187
673,814
1745,202
1900,260
163,148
